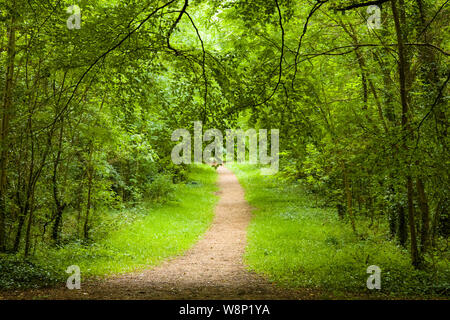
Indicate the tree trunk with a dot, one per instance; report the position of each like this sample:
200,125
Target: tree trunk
423,202
88,208
90,172
7,108
348,196
402,66
30,222
19,228
59,207
431,79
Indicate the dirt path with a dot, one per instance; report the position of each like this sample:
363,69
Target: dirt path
212,269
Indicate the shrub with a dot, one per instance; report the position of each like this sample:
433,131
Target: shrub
17,273
160,189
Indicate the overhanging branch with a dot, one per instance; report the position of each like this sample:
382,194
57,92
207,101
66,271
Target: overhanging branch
364,4
183,11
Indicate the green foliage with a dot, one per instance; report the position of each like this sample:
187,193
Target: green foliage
161,188
18,273
87,114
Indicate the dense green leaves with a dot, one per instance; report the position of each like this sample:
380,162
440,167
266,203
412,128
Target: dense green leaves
87,114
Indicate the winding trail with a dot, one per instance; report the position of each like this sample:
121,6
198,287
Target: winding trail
212,269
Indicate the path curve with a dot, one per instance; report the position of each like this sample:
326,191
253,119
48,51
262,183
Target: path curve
212,269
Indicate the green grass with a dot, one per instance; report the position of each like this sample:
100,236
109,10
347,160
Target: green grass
298,245
162,231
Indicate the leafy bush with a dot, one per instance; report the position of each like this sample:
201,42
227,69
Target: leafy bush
17,273
160,189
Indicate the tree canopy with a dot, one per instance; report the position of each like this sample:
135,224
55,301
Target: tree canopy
88,109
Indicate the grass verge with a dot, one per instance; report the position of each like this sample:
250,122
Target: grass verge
298,245
161,231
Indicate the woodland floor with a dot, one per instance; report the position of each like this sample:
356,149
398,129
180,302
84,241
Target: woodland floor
212,269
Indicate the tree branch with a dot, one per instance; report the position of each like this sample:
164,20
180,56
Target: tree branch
102,56
183,11
203,65
280,65
360,5
316,7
